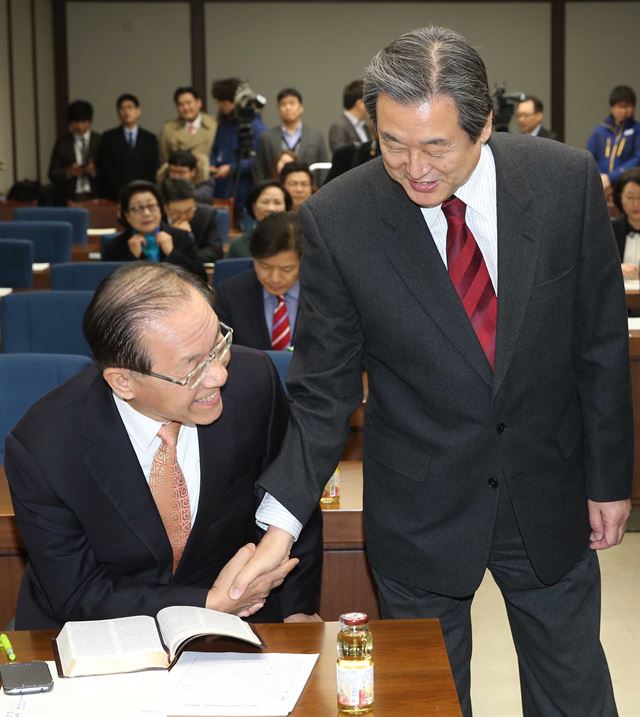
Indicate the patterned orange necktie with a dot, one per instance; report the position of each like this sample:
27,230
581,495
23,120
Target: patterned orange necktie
169,491
281,332
470,277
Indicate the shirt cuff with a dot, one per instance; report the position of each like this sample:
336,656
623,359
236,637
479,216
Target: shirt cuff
272,512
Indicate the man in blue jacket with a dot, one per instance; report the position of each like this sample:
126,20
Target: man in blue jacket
615,143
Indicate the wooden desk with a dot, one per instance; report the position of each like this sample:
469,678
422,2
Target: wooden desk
412,673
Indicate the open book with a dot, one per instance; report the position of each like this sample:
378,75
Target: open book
128,644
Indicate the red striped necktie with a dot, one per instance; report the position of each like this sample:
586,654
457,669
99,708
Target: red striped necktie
470,277
281,332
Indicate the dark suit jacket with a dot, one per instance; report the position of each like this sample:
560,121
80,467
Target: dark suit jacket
119,164
548,134
621,228
310,149
441,429
351,155
62,157
239,303
204,227
97,547
185,251
342,132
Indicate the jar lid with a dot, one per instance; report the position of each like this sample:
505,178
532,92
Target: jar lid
354,618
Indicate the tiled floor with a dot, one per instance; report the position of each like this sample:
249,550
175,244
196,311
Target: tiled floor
495,688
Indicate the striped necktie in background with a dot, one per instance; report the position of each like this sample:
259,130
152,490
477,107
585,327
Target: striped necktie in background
281,332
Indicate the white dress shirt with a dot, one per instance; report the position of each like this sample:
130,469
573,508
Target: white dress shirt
359,126
632,248
143,434
479,194
81,149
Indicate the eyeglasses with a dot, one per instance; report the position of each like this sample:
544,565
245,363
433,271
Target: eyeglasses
194,378
524,115
144,208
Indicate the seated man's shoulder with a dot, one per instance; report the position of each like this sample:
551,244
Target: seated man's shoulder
251,376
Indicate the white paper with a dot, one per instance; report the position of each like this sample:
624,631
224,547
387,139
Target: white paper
104,696
233,684
40,266
102,232
634,323
5,291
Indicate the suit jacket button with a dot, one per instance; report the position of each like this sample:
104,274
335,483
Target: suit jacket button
493,482
500,427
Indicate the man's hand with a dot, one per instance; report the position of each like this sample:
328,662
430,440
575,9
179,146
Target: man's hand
271,554
630,271
257,590
89,168
303,617
221,172
136,242
181,224
74,170
165,242
608,522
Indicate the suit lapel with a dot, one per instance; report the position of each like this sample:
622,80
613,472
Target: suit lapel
112,463
410,249
518,249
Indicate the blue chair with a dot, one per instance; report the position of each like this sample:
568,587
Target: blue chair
81,275
16,259
282,361
51,240
78,218
225,269
48,322
25,378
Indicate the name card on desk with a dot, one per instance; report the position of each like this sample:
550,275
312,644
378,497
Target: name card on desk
632,284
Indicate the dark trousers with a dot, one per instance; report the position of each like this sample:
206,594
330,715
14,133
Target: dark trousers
555,628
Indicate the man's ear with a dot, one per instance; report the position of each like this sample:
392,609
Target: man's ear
120,381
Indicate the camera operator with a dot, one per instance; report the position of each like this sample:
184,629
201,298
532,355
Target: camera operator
233,154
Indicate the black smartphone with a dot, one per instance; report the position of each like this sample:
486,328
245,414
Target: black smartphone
23,678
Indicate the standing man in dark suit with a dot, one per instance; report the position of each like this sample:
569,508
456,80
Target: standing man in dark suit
72,168
128,152
167,406
307,143
530,115
482,293
352,125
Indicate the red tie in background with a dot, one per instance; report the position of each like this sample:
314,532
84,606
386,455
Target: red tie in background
281,332
470,277
169,491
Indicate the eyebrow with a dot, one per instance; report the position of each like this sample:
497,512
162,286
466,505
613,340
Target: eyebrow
440,142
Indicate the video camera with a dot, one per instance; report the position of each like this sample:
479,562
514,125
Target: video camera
504,105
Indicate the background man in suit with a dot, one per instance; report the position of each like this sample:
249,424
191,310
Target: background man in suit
72,168
127,152
352,125
307,143
262,305
193,130
483,295
200,220
530,114
183,165
87,464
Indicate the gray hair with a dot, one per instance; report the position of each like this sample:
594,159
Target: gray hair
427,62
126,302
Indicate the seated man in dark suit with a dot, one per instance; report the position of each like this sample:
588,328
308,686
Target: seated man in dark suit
95,467
127,152
72,168
262,305
182,164
200,220
530,115
147,235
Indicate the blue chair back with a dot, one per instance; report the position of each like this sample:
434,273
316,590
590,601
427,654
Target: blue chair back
16,259
81,275
51,240
78,218
48,322
25,378
282,361
225,269
222,219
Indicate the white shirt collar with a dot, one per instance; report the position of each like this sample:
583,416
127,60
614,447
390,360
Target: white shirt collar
141,429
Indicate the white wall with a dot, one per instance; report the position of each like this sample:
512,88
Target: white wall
602,52
137,47
319,47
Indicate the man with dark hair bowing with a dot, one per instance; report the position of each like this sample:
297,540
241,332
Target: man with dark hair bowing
483,295
133,483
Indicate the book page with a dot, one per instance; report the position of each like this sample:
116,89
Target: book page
180,623
227,683
104,646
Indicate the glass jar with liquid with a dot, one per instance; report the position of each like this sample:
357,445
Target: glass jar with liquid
355,664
